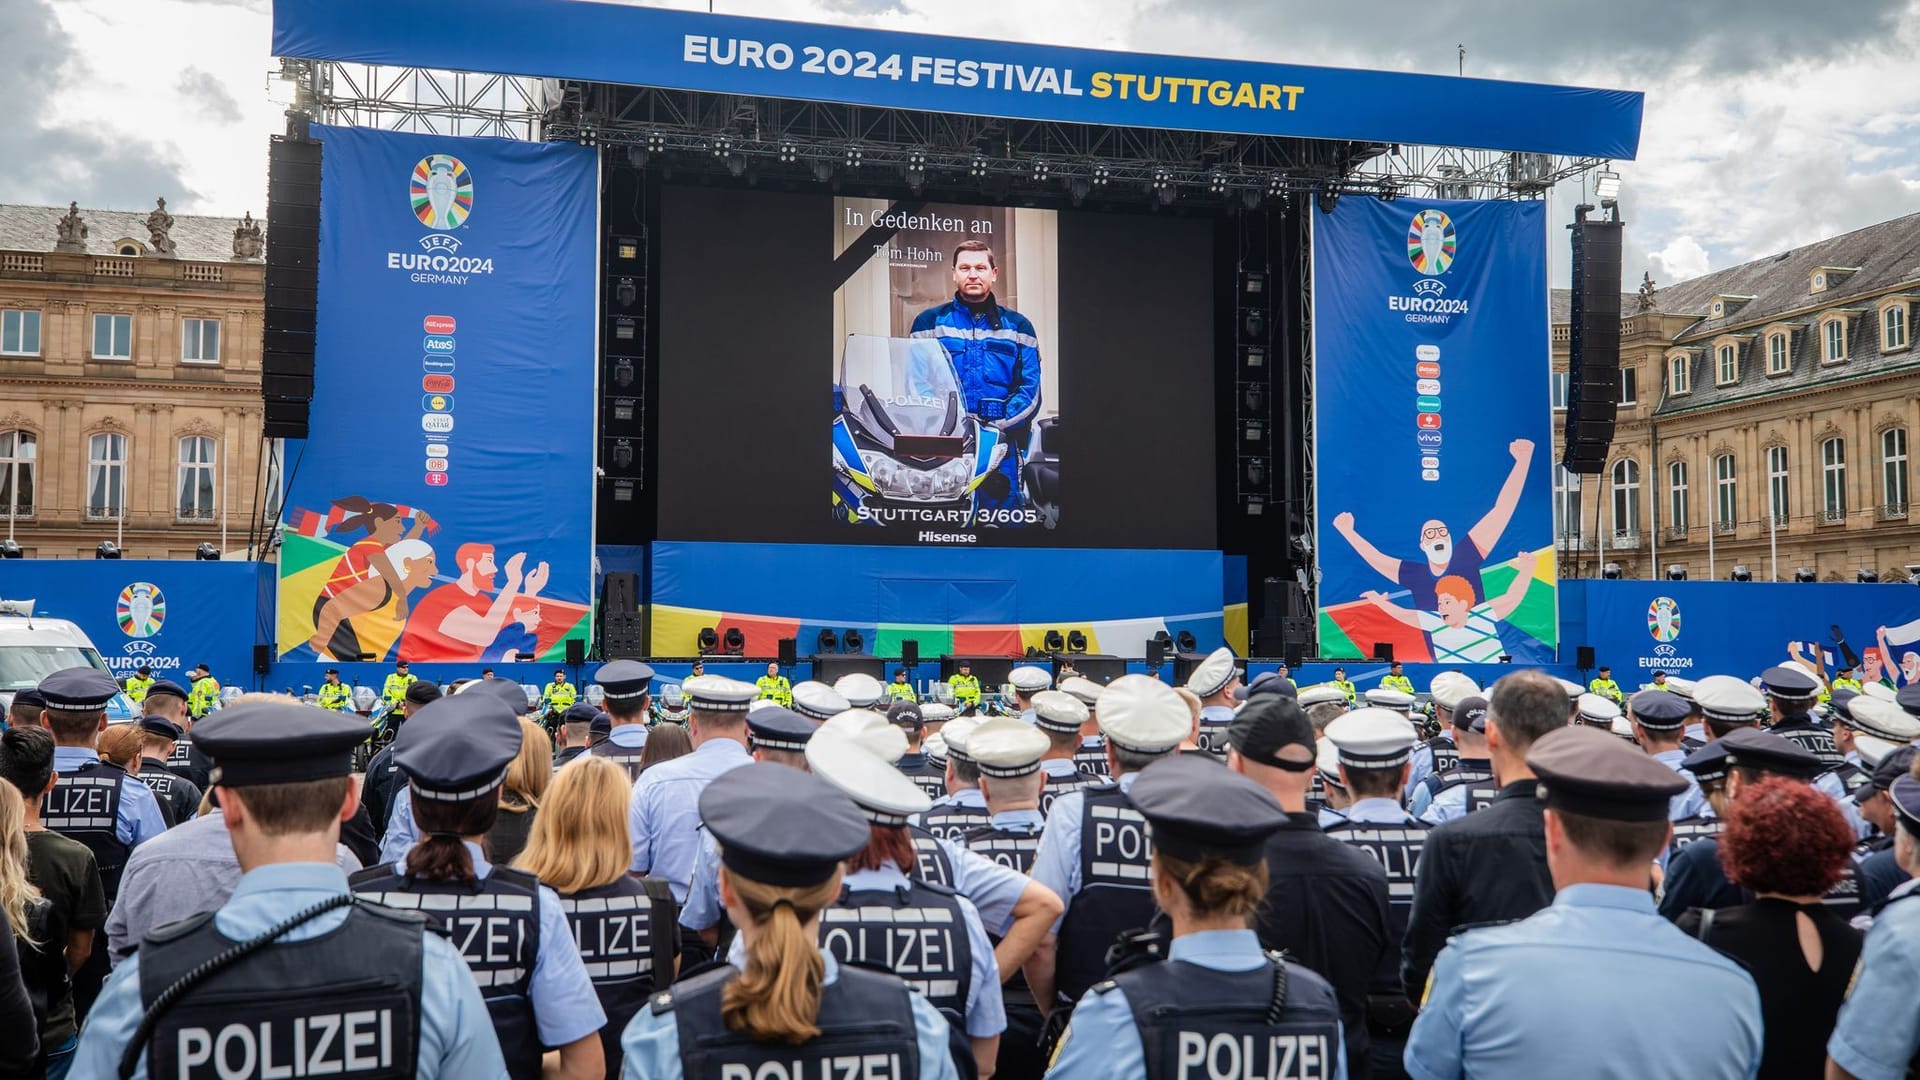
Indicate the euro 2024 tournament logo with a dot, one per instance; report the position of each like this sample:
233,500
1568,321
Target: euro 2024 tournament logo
1431,246
140,610
441,191
1663,619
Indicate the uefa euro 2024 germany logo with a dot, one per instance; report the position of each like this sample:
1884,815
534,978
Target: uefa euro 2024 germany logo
140,609
1430,242
441,191
1663,619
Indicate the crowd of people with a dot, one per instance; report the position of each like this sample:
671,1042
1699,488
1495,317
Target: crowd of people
801,881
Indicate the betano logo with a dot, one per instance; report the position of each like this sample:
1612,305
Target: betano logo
1431,242
1663,619
441,192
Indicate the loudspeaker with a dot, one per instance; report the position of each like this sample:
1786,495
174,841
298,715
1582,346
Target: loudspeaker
789,652
1296,652
909,652
292,286
1383,650
1593,355
1156,652
262,659
1584,658
576,651
620,617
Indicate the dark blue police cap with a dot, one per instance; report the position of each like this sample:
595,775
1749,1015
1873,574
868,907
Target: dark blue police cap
78,689
31,697
160,725
782,827
278,742
579,713
1471,713
778,728
1198,809
1909,698
458,748
601,726
1709,763
1905,794
505,691
1891,768
1752,748
167,686
622,680
1585,771
1660,710
1789,684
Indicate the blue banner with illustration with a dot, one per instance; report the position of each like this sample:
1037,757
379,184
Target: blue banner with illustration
440,509
1432,440
729,54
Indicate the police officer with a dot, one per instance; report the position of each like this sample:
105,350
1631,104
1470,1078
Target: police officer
398,1002
1439,754
1385,697
1090,757
966,686
1878,1031
1328,789
626,688
167,700
951,959
900,689
509,927
783,836
1604,685
1501,996
394,690
383,789
1022,683
1008,754
861,690
1694,876
1467,786
1346,687
1574,691
1694,735
1372,749
1060,717
1707,767
964,808
1218,995
334,694
1213,680
1844,680
205,694
664,815
138,683
774,686
576,733
179,799
931,779
1395,679
1095,849
559,695
1595,711
91,801
1659,721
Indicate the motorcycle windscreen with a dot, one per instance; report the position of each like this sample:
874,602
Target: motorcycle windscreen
904,393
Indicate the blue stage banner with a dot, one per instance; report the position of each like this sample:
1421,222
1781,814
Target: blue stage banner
440,510
726,54
1432,410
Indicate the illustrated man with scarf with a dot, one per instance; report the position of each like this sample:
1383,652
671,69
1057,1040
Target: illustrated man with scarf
1444,558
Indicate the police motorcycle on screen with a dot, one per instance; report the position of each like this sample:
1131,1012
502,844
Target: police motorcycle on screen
905,450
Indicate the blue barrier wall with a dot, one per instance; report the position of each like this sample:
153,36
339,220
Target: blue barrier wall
166,614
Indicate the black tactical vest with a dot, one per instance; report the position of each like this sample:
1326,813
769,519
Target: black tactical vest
627,937
1476,776
949,821
933,864
1446,755
1687,830
495,923
178,802
345,1003
865,1021
626,757
1812,738
1213,738
190,765
925,775
1852,777
917,931
1196,1023
1397,849
1115,894
1057,786
1092,759
84,805
1844,898
1011,848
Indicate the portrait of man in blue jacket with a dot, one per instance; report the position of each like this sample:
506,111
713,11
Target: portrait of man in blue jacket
996,354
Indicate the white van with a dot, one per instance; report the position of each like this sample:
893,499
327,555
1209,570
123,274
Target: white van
33,647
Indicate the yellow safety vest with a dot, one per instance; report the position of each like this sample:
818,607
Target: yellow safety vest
1397,682
137,688
966,688
1347,688
1848,684
561,696
394,690
204,695
775,688
335,696
900,691
1606,688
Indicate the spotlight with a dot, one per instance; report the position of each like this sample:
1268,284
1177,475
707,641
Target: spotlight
822,171
853,642
1217,183
1185,641
736,642
721,146
1276,185
1866,575
1055,642
656,142
1740,573
737,166
1254,399
206,552
1162,179
1253,283
854,154
1256,473
828,642
1076,641
107,550
917,161
1166,195
1040,168
1606,187
1101,174
789,153
623,373
11,549
1676,572
1611,571
625,292
1078,189
977,168
1326,199
1255,322
1804,573
708,640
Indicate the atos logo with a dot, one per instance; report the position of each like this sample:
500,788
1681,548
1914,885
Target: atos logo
1428,441
436,479
440,422
1427,369
439,324
438,343
437,403
1429,421
437,384
436,363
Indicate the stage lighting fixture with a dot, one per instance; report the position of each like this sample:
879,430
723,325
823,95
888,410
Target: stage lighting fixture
917,161
1254,398
721,145
1804,573
1076,641
1162,179
622,455
625,292
1250,198
1611,571
1055,641
1740,573
1276,185
11,549
206,552
1606,187
737,166
1253,283
708,640
828,642
656,142
623,373
1101,174
1217,183
822,171
626,248
1676,572
977,168
1078,190
1255,323
1254,357
1256,472
625,328
636,157
107,550
789,153
1040,169
1186,641
736,642
853,642
854,154
1866,575
1326,200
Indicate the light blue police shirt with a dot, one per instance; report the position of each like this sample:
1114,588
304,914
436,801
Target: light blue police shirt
702,909
650,1046
628,736
1500,999
139,819
1057,864
1102,1041
1689,802
401,832
1878,1032
1327,817
664,815
456,1033
969,798
1378,811
1419,767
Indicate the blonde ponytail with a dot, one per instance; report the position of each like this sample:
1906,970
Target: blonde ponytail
777,998
17,892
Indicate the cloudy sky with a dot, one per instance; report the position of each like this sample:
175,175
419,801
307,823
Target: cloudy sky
1769,123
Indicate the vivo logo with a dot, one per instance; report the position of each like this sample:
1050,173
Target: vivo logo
1428,440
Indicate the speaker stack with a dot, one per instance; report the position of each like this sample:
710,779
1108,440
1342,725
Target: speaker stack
1593,357
620,637
293,275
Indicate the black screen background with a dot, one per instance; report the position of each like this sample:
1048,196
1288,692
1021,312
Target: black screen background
746,356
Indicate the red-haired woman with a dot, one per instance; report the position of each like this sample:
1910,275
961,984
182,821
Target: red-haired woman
1786,844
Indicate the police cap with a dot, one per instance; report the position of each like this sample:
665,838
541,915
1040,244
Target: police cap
956,736
905,714
777,727
1905,793
457,748
1059,712
579,713
1789,683
883,793
1471,714
817,700
1274,731
1597,711
1326,758
278,742
860,689
781,827
1210,676
1081,687
424,692
1750,748
1268,682
934,712
1726,700
1199,810
716,693
163,688
1005,748
1683,687
1386,698
1895,765
505,691
160,725
1573,689
1707,764
1587,772
624,680
1657,710
870,730
1874,750
601,725
1449,688
1880,719
1029,679
1324,694
1142,715
78,689
33,698
1372,738
1908,698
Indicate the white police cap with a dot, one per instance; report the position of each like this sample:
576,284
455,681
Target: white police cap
1324,694
1083,688
1873,749
1728,700
1880,691
934,712
1598,711
1143,715
955,736
1029,679
882,792
871,730
1005,748
1058,712
860,689
715,693
1450,688
818,701
1382,697
1372,738
1573,689
1622,727
1683,687
1326,758
1210,676
1880,719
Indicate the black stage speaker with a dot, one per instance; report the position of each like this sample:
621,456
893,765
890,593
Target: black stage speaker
789,652
1585,661
1101,669
1383,650
828,667
1156,652
262,659
620,617
909,652
576,651
292,286
1593,357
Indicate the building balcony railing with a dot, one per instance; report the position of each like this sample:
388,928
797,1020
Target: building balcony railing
103,513
1569,542
1833,516
1677,534
1893,511
194,513
1625,539
1724,528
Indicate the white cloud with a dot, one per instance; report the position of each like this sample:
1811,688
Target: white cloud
1681,259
